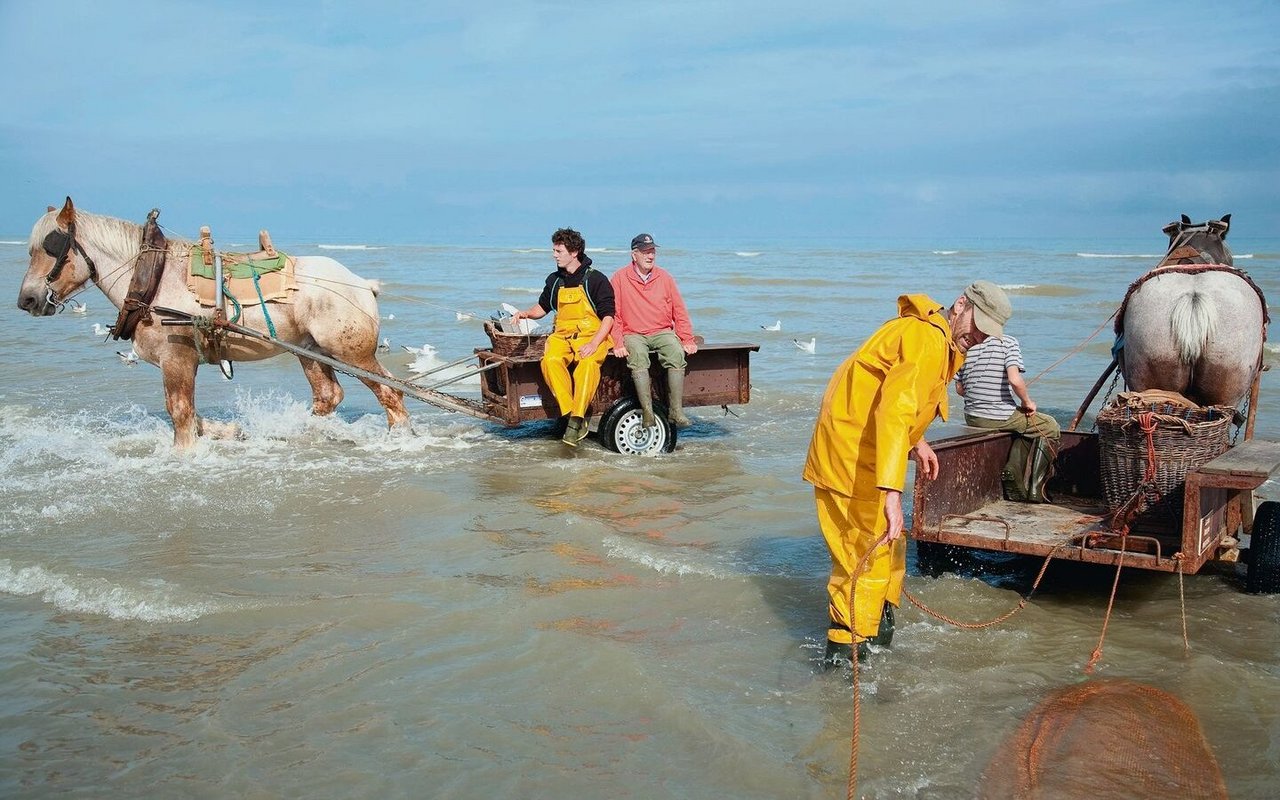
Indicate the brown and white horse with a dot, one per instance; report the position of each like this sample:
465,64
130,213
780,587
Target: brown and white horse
333,312
1194,324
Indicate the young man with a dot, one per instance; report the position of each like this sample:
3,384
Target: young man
651,318
996,397
583,301
874,414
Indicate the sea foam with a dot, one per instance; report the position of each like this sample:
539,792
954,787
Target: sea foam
156,602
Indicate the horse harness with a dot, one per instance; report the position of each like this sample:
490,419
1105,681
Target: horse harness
58,244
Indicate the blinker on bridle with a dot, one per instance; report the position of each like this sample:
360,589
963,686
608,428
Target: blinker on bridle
58,245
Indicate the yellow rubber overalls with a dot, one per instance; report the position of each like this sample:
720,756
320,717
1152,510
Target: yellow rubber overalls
876,407
576,323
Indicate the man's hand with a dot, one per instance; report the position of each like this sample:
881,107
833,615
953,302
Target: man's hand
893,513
926,460
1029,407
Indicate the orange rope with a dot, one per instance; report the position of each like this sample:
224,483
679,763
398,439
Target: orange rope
1097,651
1182,601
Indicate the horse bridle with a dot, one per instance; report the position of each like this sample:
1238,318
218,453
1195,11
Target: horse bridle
58,245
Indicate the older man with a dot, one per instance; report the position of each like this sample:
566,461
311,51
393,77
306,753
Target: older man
651,318
873,416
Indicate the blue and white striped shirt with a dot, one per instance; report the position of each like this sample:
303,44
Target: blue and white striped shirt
987,393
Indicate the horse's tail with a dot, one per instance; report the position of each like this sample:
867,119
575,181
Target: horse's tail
1192,321
375,285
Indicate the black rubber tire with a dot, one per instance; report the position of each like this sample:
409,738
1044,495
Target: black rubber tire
619,427
1263,575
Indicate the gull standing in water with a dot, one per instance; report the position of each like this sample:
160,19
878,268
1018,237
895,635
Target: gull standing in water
809,347
777,326
128,359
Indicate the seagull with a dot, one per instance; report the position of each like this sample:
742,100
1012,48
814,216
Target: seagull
80,308
385,345
128,359
101,330
425,350
391,316
777,326
463,317
809,347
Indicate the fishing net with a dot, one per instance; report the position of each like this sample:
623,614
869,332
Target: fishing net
1105,740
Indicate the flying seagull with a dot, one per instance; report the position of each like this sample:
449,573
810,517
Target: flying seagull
809,347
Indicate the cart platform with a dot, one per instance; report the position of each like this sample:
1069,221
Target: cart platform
965,507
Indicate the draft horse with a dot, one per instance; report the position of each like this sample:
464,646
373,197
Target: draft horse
1194,324
334,312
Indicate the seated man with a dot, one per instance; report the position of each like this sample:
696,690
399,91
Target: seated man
996,397
651,318
583,301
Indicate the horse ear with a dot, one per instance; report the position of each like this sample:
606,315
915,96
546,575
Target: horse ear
1226,220
1185,219
67,216
47,209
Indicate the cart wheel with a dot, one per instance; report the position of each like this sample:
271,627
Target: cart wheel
621,431
1263,576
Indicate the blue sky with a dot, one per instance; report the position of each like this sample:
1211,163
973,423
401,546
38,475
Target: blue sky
726,121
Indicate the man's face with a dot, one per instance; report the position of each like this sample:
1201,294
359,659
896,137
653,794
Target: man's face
562,256
963,332
644,258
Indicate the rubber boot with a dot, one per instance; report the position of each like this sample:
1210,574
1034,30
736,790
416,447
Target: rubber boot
884,635
1012,489
839,654
1039,469
644,393
675,398
575,431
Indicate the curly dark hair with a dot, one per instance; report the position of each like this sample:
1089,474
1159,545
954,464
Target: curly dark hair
571,239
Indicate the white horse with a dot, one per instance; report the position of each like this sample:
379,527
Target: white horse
1194,324
333,312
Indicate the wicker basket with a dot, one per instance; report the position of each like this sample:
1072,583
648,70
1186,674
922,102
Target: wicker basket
1180,439
515,345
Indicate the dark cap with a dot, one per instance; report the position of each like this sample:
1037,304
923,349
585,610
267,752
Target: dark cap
643,242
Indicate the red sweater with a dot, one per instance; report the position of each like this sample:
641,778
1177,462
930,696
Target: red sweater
649,307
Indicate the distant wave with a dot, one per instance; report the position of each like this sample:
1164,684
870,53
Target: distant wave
601,250
99,596
7,241
529,250
521,289
349,247
1118,255
945,252
1242,255
1014,287
1046,289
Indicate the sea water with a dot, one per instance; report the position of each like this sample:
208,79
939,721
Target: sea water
324,609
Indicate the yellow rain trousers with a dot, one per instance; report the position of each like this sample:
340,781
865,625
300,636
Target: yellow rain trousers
576,323
877,406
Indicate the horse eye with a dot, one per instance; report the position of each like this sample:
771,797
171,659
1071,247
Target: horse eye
56,243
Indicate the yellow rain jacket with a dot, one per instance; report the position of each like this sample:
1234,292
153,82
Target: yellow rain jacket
876,408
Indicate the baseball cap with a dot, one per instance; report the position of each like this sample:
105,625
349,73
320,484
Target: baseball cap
643,242
991,307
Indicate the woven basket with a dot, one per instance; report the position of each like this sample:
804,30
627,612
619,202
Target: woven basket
516,345
1180,440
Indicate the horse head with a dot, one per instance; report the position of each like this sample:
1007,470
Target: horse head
1197,243
59,264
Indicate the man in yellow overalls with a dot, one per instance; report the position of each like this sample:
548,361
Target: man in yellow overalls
873,416
583,301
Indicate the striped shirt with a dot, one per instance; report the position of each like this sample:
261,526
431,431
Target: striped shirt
987,393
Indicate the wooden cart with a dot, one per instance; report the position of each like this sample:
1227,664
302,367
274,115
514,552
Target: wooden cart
513,392
965,507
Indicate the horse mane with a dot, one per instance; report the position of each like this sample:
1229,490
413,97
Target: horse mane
106,234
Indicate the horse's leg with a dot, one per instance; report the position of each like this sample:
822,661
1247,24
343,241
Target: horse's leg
326,393
392,400
180,401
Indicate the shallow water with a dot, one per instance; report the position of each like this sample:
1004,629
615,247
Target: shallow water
324,609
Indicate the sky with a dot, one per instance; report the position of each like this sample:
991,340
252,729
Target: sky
735,122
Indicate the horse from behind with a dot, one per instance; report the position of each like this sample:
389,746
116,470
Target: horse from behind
1194,324
333,312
